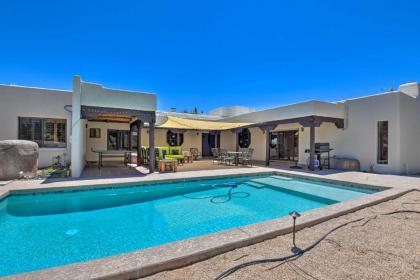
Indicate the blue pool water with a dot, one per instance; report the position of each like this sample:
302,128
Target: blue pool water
44,230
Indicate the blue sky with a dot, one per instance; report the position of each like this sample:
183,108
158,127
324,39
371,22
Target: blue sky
214,53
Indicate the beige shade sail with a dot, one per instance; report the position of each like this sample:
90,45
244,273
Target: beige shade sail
181,123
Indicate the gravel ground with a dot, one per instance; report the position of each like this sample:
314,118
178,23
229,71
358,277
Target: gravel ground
387,247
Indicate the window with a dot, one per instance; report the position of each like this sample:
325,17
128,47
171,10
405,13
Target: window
383,142
95,133
117,139
46,132
174,139
244,138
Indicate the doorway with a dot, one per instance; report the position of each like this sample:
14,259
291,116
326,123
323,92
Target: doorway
284,145
209,142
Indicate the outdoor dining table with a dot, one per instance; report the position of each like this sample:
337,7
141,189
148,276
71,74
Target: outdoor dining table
105,153
236,155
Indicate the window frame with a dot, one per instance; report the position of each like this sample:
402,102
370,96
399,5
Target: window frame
43,142
244,142
177,138
382,154
93,134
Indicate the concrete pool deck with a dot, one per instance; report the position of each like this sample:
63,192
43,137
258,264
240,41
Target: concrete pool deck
177,254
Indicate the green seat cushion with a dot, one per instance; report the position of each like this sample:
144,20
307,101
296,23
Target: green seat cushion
174,156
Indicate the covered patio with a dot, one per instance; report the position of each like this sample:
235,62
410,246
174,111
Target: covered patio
312,122
103,122
135,120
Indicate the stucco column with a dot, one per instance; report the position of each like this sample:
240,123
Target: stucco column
151,147
139,155
77,155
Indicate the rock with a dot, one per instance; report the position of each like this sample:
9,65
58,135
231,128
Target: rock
18,158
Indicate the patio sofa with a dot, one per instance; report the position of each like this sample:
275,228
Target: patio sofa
171,153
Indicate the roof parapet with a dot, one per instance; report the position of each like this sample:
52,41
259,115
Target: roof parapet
411,89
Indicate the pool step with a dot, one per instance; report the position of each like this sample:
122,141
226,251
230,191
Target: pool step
319,189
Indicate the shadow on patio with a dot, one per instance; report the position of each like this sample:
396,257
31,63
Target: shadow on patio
118,170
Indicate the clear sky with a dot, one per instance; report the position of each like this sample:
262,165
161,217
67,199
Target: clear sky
214,53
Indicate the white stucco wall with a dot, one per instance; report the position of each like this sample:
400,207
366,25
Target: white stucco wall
410,133
359,139
78,130
18,101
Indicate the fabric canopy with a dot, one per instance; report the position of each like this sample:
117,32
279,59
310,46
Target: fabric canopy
181,123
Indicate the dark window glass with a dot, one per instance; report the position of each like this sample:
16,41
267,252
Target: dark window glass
134,140
383,142
46,132
112,140
95,133
117,139
174,139
244,138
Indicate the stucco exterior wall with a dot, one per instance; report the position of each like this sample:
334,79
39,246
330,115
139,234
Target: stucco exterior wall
410,134
257,143
192,139
228,140
359,139
18,102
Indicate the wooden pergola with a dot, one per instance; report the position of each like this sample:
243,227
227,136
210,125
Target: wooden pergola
306,121
136,119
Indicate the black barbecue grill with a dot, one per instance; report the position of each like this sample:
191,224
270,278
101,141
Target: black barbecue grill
322,148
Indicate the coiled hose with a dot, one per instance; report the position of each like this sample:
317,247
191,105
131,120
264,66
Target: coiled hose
222,198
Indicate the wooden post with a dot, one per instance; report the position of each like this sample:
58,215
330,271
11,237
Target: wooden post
237,140
312,147
267,147
130,133
217,138
139,155
151,147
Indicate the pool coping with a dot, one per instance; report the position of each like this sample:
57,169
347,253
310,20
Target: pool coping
173,255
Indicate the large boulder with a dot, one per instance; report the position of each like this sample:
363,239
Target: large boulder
17,158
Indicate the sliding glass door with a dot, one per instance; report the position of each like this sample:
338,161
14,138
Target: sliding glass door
117,140
284,145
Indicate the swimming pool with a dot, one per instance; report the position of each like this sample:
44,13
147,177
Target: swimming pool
45,230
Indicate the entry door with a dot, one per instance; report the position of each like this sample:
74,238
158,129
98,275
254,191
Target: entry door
206,150
209,142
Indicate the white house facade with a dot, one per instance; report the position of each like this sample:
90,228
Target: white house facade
381,131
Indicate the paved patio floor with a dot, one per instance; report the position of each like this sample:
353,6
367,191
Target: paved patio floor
116,169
